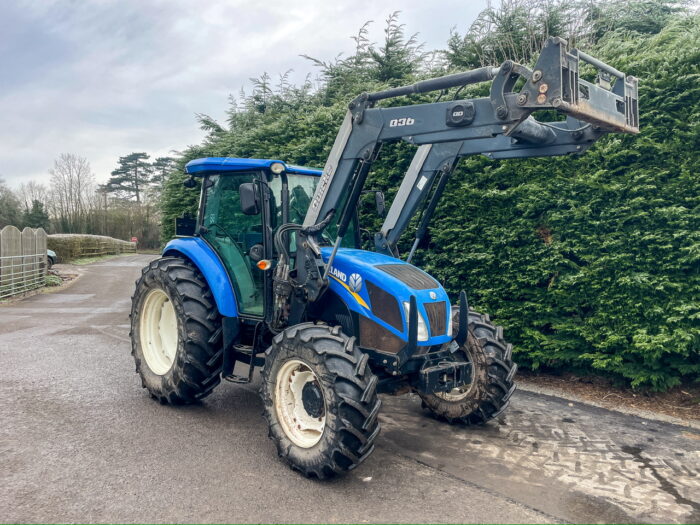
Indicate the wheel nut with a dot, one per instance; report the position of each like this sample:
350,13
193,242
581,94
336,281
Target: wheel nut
543,87
541,98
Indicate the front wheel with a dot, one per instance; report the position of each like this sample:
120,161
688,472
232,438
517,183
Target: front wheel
491,386
175,332
320,400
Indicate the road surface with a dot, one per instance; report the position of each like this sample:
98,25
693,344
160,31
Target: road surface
80,440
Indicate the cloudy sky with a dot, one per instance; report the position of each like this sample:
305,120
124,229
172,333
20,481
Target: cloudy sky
103,78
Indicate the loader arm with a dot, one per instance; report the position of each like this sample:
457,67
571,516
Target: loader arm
500,125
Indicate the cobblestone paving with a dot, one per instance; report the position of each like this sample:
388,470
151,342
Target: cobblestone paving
574,461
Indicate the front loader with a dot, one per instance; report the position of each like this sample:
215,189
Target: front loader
270,273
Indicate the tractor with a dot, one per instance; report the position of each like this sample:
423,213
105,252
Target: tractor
270,274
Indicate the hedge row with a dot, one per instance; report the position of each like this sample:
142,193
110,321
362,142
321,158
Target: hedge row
593,263
72,246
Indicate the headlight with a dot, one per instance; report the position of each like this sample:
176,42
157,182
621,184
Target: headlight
277,168
422,327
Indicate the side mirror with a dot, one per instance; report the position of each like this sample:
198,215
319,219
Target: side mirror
189,183
250,204
379,200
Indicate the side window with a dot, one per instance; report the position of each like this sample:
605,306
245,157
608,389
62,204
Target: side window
232,233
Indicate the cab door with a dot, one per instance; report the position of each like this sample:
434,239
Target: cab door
232,234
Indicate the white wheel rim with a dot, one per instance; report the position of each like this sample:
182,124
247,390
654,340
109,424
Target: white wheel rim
300,427
158,329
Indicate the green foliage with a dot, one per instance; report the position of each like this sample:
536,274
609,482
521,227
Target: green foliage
161,168
82,261
131,177
52,280
176,200
9,207
517,29
36,216
591,263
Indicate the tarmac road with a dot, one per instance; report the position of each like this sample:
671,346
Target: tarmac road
80,440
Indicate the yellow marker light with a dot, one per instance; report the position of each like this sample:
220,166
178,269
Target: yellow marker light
277,168
264,264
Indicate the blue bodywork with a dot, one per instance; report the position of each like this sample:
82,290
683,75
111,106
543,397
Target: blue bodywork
201,167
205,258
349,261
348,264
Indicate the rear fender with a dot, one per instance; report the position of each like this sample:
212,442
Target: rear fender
208,262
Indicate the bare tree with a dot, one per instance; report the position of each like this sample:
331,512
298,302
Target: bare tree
72,188
32,191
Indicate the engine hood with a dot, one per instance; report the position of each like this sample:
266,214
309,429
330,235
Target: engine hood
354,272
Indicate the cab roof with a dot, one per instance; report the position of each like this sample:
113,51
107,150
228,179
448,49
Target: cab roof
210,165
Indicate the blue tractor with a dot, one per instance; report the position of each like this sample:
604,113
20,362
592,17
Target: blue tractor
271,273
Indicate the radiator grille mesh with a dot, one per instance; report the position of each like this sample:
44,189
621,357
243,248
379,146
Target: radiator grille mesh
437,317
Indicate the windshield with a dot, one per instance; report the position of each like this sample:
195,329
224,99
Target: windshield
301,191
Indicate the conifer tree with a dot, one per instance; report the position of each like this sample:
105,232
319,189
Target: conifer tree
36,216
131,177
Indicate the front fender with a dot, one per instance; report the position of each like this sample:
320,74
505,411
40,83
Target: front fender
201,254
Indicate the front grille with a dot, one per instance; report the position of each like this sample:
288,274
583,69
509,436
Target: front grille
437,317
376,337
410,275
384,305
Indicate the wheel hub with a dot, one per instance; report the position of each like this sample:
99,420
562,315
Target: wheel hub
313,399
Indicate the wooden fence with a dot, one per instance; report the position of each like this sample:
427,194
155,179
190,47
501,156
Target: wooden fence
71,246
22,260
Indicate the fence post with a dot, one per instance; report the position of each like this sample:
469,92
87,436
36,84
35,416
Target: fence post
27,269
11,253
40,239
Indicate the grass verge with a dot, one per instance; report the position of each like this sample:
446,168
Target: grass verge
93,259
52,280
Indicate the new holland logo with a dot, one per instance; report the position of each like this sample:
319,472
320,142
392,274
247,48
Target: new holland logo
355,282
338,274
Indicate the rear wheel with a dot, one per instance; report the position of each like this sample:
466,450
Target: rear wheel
491,387
175,332
320,400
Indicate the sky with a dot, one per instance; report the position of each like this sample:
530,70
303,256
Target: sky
104,78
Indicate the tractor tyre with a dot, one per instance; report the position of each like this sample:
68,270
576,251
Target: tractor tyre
320,399
175,334
489,392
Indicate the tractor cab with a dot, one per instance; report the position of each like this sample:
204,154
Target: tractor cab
241,207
